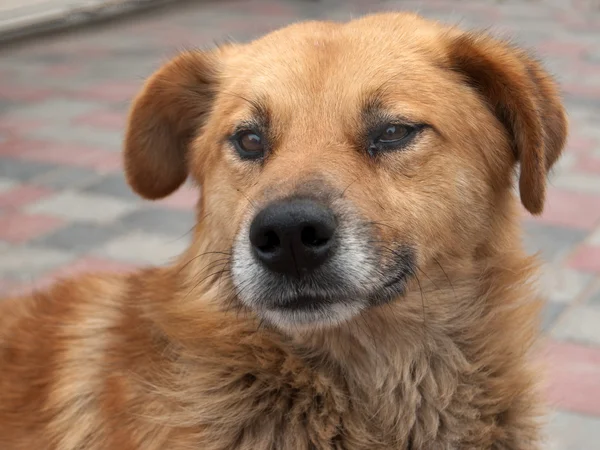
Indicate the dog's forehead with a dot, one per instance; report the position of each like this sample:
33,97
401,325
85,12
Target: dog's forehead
325,57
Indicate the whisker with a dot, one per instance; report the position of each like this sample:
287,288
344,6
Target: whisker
446,275
254,205
202,281
200,256
348,187
362,316
423,306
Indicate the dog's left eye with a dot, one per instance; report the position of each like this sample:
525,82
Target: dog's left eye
392,137
394,133
249,144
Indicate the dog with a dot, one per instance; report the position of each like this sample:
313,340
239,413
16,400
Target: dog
356,278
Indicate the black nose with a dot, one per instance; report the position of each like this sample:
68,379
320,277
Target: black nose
293,237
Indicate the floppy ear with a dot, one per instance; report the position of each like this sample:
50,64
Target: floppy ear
524,98
163,120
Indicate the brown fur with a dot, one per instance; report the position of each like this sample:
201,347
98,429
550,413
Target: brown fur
167,358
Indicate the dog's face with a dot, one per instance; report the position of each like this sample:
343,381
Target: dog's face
338,160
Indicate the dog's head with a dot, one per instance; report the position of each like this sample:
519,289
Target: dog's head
337,160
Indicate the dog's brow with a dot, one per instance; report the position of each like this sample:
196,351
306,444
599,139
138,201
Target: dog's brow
261,112
372,100
258,107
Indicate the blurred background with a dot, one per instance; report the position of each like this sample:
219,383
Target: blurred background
69,69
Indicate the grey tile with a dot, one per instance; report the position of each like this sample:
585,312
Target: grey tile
53,109
142,247
571,431
26,263
78,237
23,171
594,298
82,206
6,184
577,182
580,324
550,314
113,185
159,220
98,138
6,106
552,241
46,58
68,178
577,100
562,285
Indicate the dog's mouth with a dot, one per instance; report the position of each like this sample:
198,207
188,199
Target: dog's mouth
299,261
321,307
305,303
319,301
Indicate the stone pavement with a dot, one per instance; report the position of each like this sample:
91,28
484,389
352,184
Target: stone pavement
19,18
65,208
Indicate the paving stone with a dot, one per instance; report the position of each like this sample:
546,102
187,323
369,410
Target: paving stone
78,237
574,374
81,134
114,91
68,178
594,298
64,101
579,324
6,184
23,94
578,182
80,206
26,263
570,431
159,220
586,258
563,285
21,195
550,314
104,119
17,227
113,185
185,198
571,209
59,110
594,238
552,241
588,164
144,248
23,171
87,264
563,166
66,154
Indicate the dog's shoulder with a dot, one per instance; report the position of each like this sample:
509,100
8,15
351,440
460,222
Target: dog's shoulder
52,351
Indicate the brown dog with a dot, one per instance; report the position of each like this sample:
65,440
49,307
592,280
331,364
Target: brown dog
356,278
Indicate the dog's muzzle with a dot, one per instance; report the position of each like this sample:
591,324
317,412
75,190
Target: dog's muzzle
294,237
308,260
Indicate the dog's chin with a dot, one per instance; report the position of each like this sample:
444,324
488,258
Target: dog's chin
302,313
306,313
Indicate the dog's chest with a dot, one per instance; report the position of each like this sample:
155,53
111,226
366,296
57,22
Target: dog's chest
410,409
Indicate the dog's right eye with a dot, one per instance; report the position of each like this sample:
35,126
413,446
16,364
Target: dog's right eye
249,144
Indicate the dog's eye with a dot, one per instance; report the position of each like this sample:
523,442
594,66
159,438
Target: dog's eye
392,137
249,144
394,133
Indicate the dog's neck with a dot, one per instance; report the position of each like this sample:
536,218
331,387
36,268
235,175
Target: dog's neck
397,364
445,308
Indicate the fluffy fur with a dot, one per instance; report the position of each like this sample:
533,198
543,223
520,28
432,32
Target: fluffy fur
169,358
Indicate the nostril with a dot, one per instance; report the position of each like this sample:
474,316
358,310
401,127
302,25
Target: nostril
268,242
311,238
293,237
